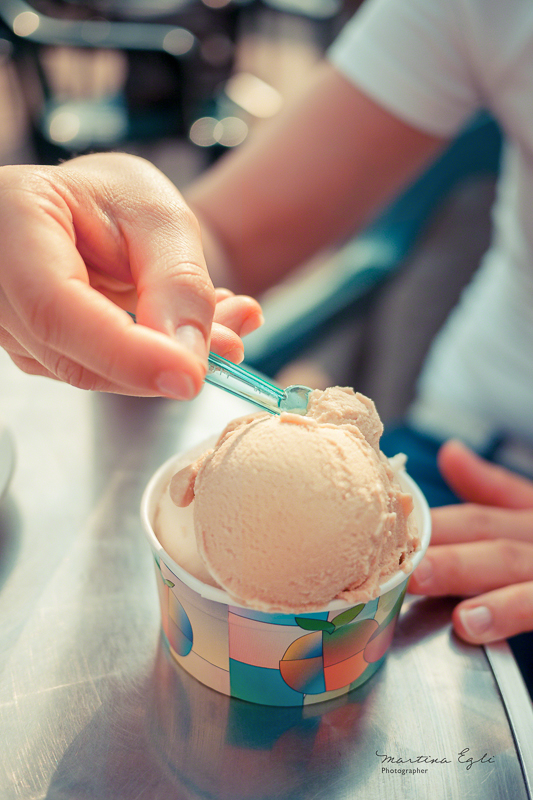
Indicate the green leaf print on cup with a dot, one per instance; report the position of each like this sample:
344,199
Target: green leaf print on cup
331,656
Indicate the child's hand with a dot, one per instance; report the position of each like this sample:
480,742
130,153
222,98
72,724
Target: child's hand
482,549
99,234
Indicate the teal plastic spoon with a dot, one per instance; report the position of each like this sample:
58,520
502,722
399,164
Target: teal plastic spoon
240,382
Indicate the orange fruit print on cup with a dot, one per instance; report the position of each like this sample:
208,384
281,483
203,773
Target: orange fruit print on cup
338,651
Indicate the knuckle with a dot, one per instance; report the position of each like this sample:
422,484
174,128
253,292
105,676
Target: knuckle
69,371
510,554
186,278
451,570
195,278
479,521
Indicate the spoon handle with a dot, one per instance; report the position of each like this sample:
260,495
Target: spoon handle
243,383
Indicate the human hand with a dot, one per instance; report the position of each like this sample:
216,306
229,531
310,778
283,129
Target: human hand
99,234
482,549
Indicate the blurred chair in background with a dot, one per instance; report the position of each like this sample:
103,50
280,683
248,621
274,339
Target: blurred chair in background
157,62
98,73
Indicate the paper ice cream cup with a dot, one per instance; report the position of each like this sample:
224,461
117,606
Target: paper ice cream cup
271,658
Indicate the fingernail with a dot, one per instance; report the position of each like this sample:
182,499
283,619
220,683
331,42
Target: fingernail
424,572
476,620
176,385
192,338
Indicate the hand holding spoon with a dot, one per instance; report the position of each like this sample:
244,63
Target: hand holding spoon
241,382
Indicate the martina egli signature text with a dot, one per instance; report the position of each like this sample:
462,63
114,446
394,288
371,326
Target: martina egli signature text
397,764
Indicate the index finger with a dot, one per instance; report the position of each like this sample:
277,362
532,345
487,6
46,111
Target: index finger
472,568
470,522
479,481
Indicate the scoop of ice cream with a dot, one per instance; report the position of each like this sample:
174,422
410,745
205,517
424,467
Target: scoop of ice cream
292,511
340,405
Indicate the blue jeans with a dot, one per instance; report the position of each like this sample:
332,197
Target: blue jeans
421,452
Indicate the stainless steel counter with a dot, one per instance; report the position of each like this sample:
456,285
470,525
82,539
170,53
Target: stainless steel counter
91,705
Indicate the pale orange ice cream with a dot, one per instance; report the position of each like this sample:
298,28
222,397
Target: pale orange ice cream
290,511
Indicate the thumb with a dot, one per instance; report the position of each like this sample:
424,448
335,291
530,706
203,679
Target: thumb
476,480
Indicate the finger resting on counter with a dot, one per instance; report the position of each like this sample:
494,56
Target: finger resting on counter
496,615
472,568
470,522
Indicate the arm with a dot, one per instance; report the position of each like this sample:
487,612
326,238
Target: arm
314,174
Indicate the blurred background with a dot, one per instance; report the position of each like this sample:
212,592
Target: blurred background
181,82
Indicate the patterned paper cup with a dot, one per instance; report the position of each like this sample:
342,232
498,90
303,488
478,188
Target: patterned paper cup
274,659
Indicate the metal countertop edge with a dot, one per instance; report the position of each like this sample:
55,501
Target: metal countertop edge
518,705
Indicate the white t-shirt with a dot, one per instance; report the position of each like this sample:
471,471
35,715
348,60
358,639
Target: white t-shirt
433,63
